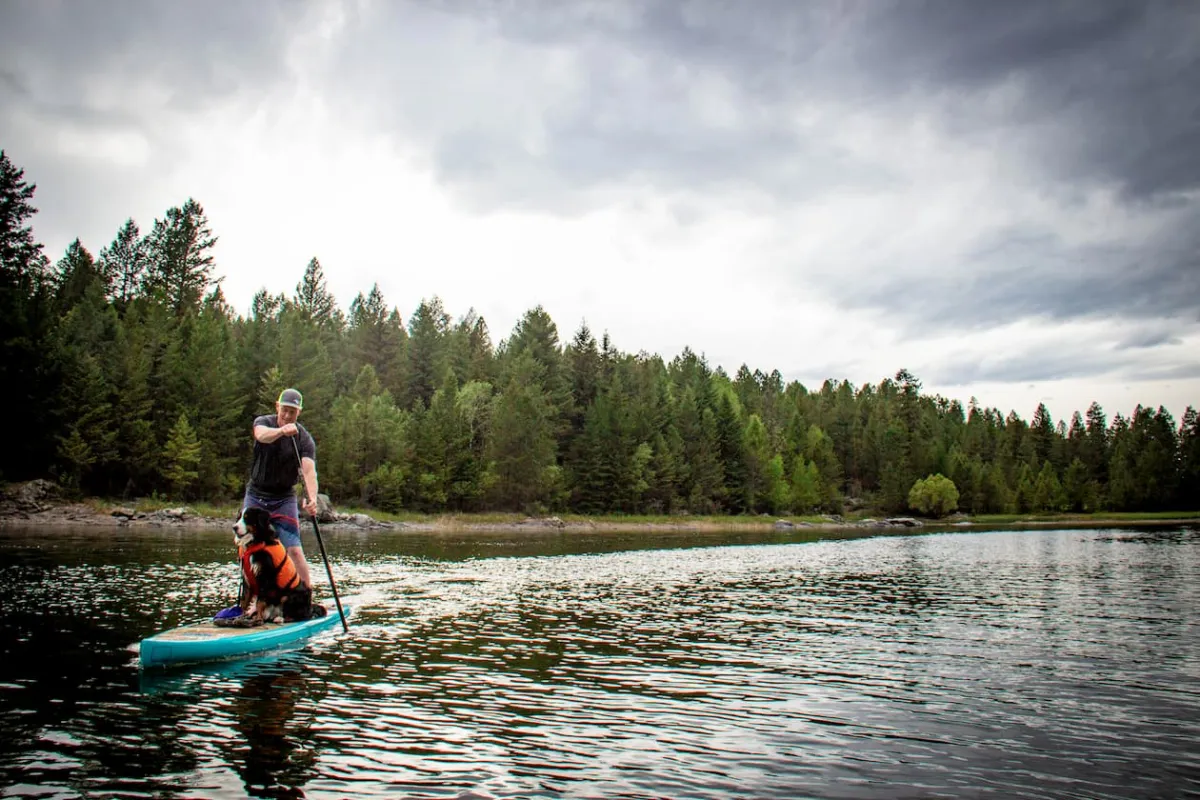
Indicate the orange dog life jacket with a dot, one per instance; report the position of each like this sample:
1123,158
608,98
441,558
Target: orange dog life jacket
285,571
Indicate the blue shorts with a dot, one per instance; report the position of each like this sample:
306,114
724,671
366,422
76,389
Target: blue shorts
285,516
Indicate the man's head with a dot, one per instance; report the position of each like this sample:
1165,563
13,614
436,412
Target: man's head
288,406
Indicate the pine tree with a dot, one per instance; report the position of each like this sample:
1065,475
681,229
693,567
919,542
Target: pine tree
204,355
536,334
179,268
805,486
21,259
313,300
1121,469
1024,499
182,457
75,274
376,337
896,467
1187,495
428,338
583,366
90,425
123,263
1096,445
366,438
818,448
1048,494
1042,434
522,471
662,496
1077,487
757,461
732,454
777,491
25,330
997,498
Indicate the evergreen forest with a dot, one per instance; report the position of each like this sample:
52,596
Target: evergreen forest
127,374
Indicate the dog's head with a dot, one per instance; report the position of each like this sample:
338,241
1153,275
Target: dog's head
254,526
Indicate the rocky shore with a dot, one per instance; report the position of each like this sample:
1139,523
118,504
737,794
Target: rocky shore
40,502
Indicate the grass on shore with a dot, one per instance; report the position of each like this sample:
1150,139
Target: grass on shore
1114,516
230,510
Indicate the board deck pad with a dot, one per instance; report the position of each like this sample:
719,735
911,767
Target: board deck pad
209,630
206,641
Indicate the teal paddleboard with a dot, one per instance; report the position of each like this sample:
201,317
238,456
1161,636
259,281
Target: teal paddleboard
204,641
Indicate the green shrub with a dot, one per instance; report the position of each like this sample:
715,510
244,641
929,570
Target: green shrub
935,496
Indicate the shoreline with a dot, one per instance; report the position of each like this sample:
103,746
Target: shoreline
39,503
82,515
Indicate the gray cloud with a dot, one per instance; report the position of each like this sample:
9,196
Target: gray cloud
1045,364
1100,90
1080,96
1030,272
1065,359
1107,88
564,106
56,54
1149,337
126,72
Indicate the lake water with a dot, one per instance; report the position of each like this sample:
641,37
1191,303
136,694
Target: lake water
1040,663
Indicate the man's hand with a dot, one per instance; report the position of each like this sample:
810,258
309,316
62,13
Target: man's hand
309,506
288,430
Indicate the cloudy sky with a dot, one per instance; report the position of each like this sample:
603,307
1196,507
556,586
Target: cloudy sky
1003,198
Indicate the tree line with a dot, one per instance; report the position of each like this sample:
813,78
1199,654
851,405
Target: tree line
126,373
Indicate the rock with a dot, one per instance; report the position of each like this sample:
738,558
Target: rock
31,495
361,520
174,513
125,513
325,510
905,522
547,522
783,525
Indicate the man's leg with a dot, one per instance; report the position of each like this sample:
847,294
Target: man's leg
289,537
301,563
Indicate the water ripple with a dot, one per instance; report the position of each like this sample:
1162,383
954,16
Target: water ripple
1039,664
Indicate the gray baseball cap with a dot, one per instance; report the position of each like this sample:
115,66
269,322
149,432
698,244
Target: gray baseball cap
291,397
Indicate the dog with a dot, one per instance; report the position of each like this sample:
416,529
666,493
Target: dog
271,589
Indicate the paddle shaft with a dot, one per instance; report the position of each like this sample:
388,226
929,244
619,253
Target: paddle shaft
321,543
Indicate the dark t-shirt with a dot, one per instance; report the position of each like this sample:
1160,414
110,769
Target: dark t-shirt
276,469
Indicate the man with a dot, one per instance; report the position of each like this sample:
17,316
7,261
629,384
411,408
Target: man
283,449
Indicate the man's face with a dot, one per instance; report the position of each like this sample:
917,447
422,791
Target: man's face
287,414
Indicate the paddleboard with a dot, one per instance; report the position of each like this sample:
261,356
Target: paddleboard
204,641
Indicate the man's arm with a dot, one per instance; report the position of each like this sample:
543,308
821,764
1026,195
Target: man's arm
266,435
308,469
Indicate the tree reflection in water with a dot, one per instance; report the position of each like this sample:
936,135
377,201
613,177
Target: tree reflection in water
274,756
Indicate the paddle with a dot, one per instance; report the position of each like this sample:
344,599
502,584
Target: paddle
321,543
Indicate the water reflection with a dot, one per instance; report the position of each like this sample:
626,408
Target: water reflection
1035,664
269,755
